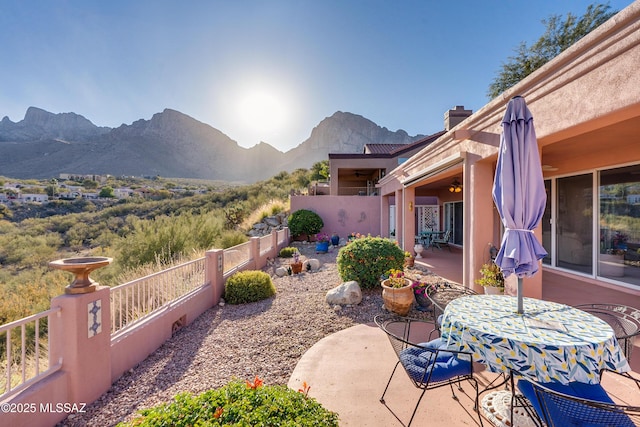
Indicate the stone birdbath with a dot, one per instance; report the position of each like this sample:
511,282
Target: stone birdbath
81,267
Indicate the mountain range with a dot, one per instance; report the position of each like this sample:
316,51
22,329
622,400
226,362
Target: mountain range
170,144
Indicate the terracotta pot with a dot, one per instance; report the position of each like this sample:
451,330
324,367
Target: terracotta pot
296,267
409,262
398,300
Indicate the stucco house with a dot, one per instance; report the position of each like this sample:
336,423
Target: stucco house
586,109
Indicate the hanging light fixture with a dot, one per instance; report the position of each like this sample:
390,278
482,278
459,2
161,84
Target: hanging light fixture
455,187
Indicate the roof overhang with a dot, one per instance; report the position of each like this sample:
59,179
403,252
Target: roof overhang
434,169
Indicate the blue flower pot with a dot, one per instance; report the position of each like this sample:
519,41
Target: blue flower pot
322,247
335,240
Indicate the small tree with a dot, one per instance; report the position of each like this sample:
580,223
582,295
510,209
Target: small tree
304,221
107,192
560,34
366,259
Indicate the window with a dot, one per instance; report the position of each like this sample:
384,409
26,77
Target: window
587,221
453,220
574,230
619,224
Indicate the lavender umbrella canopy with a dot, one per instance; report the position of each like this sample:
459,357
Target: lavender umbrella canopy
519,194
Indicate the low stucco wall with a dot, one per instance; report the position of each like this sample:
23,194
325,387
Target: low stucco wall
343,214
132,347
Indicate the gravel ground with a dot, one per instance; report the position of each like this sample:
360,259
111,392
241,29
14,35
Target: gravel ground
265,338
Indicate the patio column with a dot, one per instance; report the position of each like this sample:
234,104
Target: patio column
409,219
479,218
384,216
399,215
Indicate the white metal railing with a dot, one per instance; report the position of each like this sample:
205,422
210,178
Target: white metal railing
236,256
281,237
139,298
265,244
30,361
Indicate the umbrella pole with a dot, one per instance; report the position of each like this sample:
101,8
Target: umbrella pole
520,309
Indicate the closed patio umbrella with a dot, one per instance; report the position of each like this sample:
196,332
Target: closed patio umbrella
519,194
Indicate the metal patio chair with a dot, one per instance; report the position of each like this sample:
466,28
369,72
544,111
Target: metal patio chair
429,365
624,320
443,242
578,404
445,293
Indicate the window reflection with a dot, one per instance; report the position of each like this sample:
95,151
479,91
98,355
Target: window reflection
574,230
619,224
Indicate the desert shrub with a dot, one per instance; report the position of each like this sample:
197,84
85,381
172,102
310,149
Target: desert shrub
239,404
366,259
304,221
287,252
230,238
248,286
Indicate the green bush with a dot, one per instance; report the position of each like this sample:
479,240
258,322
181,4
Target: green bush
287,252
239,404
304,221
248,286
366,259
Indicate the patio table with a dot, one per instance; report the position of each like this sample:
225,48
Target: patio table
427,237
549,342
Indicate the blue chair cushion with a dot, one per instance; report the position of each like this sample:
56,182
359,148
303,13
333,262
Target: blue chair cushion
581,390
419,362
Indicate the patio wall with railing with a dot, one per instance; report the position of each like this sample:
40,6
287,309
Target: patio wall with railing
64,358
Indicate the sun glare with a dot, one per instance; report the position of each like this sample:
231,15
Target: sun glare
262,110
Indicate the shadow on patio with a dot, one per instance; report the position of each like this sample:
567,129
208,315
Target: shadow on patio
347,371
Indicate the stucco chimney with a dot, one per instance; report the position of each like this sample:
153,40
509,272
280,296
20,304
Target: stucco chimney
455,116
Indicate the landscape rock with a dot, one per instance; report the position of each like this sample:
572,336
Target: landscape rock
271,221
314,263
348,293
281,271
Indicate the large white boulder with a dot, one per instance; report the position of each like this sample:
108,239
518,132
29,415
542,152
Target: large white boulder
348,293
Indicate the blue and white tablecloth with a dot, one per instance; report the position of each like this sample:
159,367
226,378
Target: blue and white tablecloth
549,342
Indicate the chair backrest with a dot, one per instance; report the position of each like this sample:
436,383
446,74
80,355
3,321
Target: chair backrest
428,364
624,320
560,410
447,235
445,293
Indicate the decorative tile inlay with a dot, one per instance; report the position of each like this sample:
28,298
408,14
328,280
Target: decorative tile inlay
95,313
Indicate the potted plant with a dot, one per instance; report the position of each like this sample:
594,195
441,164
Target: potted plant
421,292
397,292
296,265
409,261
492,278
322,243
335,239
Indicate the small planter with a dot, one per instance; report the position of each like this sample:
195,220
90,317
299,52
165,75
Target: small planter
296,267
409,261
423,302
398,300
322,247
335,240
493,290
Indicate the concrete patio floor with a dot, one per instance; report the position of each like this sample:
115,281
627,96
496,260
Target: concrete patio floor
347,371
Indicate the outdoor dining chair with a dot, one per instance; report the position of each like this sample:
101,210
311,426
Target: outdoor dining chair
442,242
578,404
429,365
443,294
624,320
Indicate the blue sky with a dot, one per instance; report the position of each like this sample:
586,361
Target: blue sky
262,70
